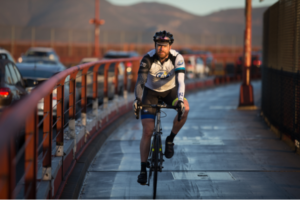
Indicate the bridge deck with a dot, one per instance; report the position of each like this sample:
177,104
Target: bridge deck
221,152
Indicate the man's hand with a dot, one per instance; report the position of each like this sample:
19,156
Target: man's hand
181,107
135,106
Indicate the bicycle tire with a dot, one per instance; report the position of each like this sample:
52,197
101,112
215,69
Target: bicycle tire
156,153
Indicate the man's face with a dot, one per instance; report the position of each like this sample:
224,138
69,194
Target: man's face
162,49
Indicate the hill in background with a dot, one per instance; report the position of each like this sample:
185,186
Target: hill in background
75,14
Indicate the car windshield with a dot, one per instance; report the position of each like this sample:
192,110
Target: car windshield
47,62
116,56
35,74
37,53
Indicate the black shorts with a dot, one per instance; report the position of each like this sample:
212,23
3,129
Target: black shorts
151,97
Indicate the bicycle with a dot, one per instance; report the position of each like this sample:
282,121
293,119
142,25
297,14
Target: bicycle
155,158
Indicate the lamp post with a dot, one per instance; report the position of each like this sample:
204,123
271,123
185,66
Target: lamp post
97,22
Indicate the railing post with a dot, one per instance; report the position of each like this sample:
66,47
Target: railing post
47,130
105,99
12,167
116,80
72,106
95,90
5,181
125,81
72,109
135,68
31,154
60,119
83,102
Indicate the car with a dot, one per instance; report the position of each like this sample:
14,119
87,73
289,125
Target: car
9,56
186,51
100,87
12,86
195,67
111,75
208,55
123,54
42,52
89,59
200,68
120,54
36,73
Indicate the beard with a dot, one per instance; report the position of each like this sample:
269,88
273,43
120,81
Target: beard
162,54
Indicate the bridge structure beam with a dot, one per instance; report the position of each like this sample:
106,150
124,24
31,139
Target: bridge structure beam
246,89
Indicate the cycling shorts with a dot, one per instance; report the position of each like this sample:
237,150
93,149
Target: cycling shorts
169,97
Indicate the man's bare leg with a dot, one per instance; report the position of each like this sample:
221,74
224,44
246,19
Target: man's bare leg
148,127
169,149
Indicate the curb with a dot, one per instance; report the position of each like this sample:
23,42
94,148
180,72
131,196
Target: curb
76,178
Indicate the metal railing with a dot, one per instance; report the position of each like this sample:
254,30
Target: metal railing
25,113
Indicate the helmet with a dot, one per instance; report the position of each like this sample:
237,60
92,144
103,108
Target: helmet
163,36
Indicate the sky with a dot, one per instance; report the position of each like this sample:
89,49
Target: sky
200,7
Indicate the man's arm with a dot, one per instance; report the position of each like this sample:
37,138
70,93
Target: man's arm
142,77
180,72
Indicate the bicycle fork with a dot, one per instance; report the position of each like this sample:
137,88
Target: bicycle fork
150,160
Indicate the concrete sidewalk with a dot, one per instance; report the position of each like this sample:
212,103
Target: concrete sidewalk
221,152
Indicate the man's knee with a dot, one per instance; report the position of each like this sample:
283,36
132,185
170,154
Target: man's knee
187,108
148,127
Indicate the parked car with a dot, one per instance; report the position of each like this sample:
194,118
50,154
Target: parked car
42,52
12,87
36,73
9,56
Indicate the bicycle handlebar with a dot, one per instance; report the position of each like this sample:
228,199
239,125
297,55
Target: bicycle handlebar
157,106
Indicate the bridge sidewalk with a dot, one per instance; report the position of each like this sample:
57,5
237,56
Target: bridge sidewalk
221,152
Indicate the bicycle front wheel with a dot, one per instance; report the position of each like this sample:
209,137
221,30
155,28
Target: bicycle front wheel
156,158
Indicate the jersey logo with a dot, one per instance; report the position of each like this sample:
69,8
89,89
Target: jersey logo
163,75
180,62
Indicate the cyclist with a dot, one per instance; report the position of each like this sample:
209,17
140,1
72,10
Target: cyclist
161,74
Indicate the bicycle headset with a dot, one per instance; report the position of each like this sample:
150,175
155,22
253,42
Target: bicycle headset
163,36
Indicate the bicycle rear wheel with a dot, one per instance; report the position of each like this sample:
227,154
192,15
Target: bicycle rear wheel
155,157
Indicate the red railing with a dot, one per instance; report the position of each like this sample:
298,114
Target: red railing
24,113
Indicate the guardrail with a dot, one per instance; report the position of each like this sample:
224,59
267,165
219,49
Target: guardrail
25,113
38,157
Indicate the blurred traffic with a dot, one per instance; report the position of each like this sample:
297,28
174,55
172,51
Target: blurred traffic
38,64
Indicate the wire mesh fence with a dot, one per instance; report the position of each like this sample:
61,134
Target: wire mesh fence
281,78
39,34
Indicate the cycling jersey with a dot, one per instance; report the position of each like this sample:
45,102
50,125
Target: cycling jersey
161,77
